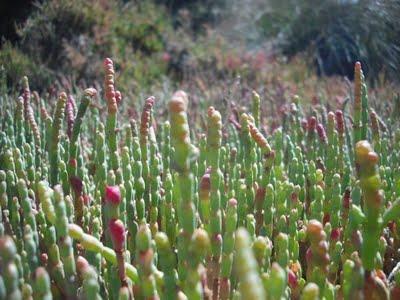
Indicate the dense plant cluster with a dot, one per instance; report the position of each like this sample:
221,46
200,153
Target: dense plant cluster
97,206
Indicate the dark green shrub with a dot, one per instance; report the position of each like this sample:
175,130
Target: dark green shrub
71,37
16,64
55,24
201,12
338,33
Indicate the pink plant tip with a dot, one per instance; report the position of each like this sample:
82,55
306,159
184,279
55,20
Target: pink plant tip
113,195
232,202
118,97
335,234
117,231
292,279
312,123
108,61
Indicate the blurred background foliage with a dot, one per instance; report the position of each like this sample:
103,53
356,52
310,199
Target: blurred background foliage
337,33
198,44
62,37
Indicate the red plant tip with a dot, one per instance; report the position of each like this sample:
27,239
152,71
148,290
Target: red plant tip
150,101
110,93
339,114
76,184
335,234
118,97
44,258
218,239
326,218
81,264
73,162
113,195
292,279
109,86
232,202
86,199
117,231
322,133
205,182
312,123
340,122
108,61
148,104
294,197
346,199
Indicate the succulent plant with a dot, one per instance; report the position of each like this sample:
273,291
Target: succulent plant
110,211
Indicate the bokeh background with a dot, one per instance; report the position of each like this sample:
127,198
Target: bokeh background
215,48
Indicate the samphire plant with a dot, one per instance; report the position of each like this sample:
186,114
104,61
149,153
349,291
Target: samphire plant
95,206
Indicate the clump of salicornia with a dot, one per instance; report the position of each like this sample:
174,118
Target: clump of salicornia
96,206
